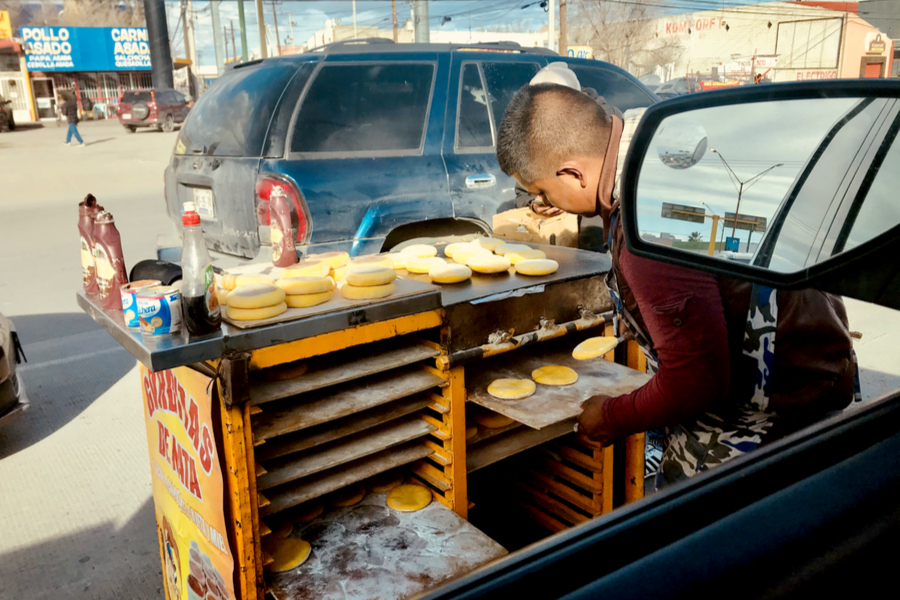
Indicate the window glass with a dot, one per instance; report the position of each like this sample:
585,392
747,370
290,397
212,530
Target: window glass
134,97
880,210
364,108
794,246
617,89
231,118
503,80
473,129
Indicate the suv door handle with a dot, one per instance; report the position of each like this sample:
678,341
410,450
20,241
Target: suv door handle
484,180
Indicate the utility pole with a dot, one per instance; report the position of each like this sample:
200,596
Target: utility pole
420,21
394,9
263,51
355,31
217,41
158,40
233,47
190,21
551,27
291,25
277,37
242,23
563,41
184,30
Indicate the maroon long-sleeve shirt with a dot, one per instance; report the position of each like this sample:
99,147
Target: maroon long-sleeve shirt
684,315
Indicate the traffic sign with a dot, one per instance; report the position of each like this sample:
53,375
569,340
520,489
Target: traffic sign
748,222
733,244
683,212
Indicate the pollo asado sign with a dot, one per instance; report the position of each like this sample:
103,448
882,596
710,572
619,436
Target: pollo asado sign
86,48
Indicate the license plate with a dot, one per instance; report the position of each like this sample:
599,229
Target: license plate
203,200
126,116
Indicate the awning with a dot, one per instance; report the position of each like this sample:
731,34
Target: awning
180,63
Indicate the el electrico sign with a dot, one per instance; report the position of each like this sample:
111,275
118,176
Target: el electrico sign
86,48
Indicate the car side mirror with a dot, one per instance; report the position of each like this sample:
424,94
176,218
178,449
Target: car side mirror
793,186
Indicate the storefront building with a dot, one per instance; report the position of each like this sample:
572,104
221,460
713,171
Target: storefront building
782,41
87,63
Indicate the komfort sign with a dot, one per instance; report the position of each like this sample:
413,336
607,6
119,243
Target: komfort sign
690,25
86,48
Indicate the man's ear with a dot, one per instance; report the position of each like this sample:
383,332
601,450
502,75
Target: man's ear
573,169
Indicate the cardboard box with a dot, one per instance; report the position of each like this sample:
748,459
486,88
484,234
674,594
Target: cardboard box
521,224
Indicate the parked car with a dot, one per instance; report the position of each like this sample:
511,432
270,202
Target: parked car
814,514
6,114
157,108
12,392
677,87
375,143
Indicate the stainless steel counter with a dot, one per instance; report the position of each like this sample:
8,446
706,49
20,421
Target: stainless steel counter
170,351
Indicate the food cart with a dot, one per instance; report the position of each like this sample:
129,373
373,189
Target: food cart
242,441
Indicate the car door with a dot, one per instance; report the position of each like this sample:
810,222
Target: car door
365,148
479,93
180,110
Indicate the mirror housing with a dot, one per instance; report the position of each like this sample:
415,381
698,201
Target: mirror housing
870,271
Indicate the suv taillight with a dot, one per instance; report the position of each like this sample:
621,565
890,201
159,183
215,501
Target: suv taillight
299,216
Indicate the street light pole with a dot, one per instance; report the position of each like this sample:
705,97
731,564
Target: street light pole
740,185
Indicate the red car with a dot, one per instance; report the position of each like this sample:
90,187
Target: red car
152,108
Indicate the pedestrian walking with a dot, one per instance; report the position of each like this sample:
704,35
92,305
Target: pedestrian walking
70,110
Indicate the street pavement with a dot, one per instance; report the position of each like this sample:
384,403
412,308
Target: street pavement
76,511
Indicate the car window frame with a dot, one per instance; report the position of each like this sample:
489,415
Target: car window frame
474,149
295,155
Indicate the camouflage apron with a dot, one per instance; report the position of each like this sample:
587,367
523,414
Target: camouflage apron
712,438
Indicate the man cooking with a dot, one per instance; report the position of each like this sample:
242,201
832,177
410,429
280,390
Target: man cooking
721,386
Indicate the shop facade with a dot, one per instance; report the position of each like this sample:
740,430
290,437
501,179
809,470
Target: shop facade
782,41
94,65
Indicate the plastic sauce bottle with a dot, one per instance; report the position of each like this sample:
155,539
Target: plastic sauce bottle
109,262
281,232
199,301
86,229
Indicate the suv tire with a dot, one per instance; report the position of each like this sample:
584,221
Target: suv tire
168,124
11,124
130,128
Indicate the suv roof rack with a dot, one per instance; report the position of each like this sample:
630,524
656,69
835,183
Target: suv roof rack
362,45
371,40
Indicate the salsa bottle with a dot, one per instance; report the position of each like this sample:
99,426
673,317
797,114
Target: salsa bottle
109,261
86,230
200,309
281,229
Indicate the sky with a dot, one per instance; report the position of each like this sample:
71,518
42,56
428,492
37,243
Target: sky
308,16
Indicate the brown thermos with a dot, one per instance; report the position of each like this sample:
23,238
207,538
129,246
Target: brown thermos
108,261
86,229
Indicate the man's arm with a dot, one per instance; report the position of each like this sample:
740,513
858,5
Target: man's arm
684,316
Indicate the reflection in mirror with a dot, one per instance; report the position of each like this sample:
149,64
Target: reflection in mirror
778,184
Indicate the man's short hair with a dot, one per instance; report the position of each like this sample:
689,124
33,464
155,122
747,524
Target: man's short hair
546,124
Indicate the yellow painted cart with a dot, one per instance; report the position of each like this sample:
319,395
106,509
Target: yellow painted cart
304,411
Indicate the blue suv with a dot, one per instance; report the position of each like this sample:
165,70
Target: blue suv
375,143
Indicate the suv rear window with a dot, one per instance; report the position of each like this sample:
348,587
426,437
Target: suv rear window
618,90
232,117
503,80
365,108
134,97
473,129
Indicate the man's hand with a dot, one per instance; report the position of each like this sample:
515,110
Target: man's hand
544,210
591,423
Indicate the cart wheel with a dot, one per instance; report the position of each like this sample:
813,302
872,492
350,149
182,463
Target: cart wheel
169,124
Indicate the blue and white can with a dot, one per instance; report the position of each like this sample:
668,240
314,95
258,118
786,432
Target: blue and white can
129,300
159,310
